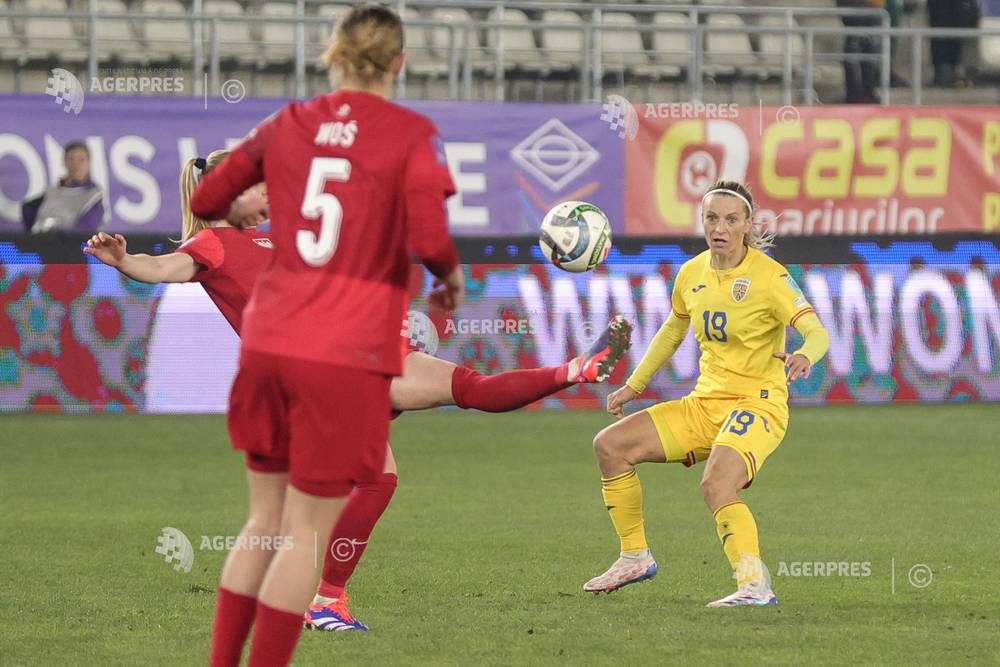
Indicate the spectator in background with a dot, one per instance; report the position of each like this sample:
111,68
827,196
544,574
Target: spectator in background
896,9
861,78
946,52
75,203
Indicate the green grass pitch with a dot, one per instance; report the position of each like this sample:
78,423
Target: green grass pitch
497,523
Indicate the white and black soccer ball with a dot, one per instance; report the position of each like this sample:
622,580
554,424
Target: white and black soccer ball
575,236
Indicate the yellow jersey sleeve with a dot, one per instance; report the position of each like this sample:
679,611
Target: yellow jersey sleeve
787,300
676,296
661,348
815,339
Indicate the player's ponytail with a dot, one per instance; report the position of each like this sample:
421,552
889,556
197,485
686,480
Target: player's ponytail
191,173
757,237
365,43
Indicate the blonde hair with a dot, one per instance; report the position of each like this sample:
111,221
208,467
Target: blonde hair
365,42
756,237
190,175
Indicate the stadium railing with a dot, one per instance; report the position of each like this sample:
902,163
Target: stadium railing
464,58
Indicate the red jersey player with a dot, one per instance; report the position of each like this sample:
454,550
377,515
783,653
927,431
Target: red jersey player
351,178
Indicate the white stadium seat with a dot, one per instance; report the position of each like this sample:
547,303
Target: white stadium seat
115,36
671,48
318,32
278,38
47,37
773,44
235,40
420,59
725,50
480,59
519,47
621,43
563,47
165,38
989,47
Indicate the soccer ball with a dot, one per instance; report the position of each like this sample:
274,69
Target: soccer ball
575,236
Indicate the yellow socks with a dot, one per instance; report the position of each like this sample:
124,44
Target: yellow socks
623,498
738,531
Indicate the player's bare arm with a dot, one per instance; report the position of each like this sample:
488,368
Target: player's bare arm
449,293
176,267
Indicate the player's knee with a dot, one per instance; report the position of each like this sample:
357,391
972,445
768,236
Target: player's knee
263,524
712,491
608,445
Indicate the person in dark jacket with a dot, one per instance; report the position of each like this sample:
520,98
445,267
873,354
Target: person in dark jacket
861,78
74,203
946,52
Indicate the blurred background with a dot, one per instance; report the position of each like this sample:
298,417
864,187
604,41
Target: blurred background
867,130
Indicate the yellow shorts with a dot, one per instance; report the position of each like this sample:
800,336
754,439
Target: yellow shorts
690,427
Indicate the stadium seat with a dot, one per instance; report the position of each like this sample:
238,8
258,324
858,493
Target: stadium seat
725,51
166,38
420,59
438,36
235,40
519,49
318,32
671,49
48,37
115,37
989,47
563,47
773,44
278,38
621,43
8,40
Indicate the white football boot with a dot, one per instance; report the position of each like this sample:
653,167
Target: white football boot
630,568
753,583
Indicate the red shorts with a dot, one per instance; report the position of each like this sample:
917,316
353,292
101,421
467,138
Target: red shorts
326,425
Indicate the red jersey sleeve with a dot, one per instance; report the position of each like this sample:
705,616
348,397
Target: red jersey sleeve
242,168
427,184
206,249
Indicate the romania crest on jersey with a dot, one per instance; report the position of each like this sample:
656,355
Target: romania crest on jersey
741,287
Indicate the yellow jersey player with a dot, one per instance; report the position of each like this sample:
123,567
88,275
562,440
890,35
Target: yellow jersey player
739,302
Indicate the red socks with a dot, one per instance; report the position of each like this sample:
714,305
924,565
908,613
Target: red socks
233,617
350,535
506,391
274,637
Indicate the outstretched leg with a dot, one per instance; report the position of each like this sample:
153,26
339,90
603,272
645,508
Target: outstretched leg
429,382
619,448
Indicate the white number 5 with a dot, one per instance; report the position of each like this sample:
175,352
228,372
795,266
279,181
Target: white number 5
316,250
